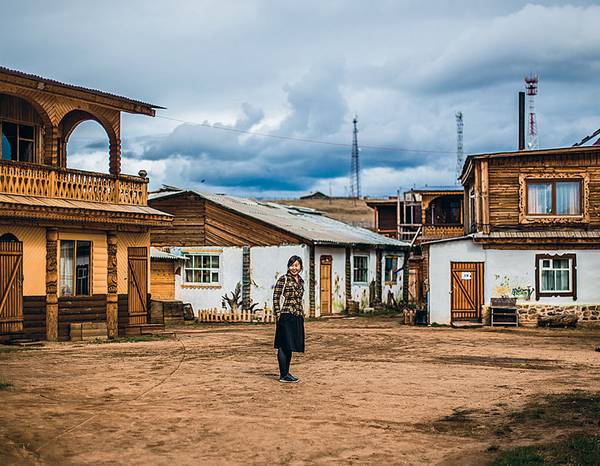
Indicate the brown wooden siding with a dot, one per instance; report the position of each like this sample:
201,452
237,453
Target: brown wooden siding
162,279
78,309
34,317
504,186
188,225
203,223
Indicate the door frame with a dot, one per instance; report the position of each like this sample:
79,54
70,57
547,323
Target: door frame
11,301
135,284
326,260
475,296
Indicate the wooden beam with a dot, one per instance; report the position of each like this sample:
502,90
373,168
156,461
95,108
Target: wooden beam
485,197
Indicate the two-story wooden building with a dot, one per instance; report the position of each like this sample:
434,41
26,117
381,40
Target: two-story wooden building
418,216
532,233
73,244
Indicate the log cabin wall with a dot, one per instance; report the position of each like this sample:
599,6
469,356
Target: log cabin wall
79,309
504,187
187,228
199,222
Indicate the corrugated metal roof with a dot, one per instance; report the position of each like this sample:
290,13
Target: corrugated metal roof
72,86
436,188
308,225
35,201
157,254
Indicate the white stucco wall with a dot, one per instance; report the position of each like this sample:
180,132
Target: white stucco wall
267,264
506,272
338,280
360,291
210,296
393,287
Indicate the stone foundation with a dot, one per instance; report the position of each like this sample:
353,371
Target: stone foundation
588,315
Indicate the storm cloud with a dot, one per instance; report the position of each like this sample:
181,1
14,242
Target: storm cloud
227,69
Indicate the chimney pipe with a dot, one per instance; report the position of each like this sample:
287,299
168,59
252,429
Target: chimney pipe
521,120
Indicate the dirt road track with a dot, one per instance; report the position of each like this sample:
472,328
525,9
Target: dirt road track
372,391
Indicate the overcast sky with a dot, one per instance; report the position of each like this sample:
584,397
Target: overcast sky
303,69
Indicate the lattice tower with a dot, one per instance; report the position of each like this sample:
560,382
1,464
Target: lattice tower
355,191
531,85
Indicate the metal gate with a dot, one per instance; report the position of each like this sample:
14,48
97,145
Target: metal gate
466,290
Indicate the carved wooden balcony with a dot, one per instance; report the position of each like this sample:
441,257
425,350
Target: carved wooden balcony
443,231
28,179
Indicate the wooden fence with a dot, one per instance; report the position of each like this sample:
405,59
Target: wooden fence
225,315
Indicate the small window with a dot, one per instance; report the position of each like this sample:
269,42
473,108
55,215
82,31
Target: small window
391,268
75,268
554,197
361,269
18,142
202,268
556,275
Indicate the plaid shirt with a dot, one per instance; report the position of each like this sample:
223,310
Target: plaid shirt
292,295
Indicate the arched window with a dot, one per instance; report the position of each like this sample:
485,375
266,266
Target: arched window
85,141
20,126
8,238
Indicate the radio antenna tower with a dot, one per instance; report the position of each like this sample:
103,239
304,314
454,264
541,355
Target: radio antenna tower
460,156
355,164
531,85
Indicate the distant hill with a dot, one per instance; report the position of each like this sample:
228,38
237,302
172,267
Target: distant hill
352,211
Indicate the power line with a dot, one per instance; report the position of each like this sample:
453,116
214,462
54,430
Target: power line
307,140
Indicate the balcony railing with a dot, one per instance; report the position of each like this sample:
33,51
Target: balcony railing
29,179
447,231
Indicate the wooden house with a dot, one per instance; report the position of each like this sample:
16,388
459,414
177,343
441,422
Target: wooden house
73,244
228,240
532,234
418,216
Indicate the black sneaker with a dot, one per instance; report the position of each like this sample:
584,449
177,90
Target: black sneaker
287,379
295,379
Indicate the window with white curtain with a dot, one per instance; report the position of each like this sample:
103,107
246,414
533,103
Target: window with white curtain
75,268
554,197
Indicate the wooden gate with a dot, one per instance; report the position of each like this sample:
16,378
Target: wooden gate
137,260
466,290
11,286
325,281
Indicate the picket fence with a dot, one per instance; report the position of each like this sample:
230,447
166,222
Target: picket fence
226,315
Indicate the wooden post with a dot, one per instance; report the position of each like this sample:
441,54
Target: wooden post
348,278
312,282
115,157
378,278
246,279
485,208
112,311
52,284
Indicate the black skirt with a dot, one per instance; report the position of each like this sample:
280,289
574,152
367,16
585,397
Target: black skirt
289,333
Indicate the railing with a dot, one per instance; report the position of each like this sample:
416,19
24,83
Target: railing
443,230
225,315
39,180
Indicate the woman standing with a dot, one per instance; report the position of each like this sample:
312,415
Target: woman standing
289,312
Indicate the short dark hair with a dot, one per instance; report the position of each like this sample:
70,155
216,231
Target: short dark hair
295,259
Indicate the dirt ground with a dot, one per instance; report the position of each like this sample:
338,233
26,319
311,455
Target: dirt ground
372,391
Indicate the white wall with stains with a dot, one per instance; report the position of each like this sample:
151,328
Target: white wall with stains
338,280
267,264
506,273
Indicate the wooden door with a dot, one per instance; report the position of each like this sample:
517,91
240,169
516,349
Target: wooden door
325,282
137,259
11,286
466,290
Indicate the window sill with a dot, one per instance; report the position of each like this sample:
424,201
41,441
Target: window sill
545,219
201,285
